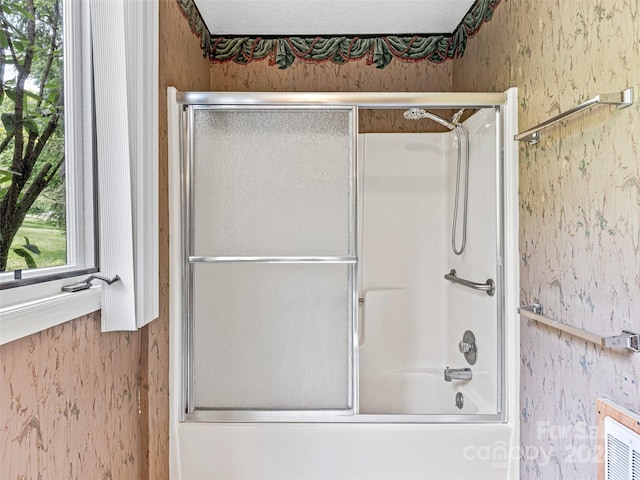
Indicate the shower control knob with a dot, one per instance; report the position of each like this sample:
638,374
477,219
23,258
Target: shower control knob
468,347
465,347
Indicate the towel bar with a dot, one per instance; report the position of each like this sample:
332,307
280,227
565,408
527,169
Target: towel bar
626,340
620,99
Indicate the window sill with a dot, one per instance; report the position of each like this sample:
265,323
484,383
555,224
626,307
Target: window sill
27,318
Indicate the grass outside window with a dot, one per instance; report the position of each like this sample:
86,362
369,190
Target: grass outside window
50,240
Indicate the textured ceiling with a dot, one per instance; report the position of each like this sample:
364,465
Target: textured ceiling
331,17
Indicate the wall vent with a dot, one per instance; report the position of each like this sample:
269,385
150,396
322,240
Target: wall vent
621,452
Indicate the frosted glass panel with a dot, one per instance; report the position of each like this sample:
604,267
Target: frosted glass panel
272,336
272,182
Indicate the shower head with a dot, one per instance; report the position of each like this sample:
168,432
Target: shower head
419,113
414,114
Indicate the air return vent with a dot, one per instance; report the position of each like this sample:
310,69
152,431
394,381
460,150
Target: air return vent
622,452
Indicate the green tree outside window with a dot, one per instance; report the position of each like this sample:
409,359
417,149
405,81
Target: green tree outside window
32,187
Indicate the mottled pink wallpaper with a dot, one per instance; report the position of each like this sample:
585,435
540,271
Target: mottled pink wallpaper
69,404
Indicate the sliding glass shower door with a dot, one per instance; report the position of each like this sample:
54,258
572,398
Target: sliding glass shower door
269,261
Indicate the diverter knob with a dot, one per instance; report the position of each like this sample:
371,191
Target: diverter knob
468,347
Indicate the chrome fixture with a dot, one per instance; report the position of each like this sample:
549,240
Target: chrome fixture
457,116
621,99
627,340
368,100
489,286
536,308
419,114
459,400
458,251
458,128
249,259
457,374
468,347
86,283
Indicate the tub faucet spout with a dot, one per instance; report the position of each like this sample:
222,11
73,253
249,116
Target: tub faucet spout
457,374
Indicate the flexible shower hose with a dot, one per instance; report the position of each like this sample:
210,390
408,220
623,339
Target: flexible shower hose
461,128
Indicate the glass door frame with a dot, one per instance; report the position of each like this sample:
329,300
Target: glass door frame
191,101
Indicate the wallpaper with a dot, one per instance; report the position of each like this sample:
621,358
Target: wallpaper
69,404
579,212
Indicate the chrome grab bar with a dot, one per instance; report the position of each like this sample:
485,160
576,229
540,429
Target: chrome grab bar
620,99
627,340
489,286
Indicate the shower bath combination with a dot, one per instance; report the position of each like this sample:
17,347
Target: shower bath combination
307,286
458,128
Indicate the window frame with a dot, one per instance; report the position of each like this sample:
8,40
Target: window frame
121,137
80,182
35,301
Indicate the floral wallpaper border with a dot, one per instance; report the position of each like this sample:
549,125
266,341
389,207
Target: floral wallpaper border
378,51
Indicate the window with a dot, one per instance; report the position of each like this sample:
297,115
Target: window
46,191
100,133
